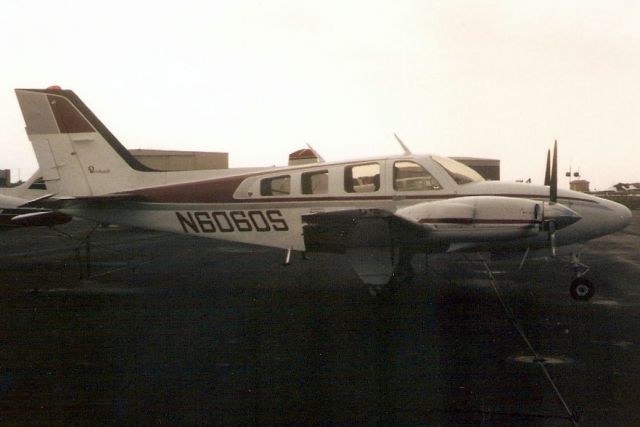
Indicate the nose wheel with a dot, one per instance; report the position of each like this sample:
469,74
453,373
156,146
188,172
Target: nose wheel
581,289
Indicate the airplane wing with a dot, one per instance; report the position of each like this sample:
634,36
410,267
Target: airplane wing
379,241
340,230
372,239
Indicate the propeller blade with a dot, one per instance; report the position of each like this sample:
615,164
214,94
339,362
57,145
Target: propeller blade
552,237
553,190
547,173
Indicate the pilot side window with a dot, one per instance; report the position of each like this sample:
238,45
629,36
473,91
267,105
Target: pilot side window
410,176
315,182
276,186
362,178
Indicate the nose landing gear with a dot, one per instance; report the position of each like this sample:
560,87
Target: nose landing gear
581,288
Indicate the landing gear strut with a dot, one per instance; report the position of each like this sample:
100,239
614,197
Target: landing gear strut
403,273
581,288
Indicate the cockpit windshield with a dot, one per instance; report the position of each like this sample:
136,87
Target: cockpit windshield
462,174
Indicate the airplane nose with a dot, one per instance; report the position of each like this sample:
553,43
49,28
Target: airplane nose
621,216
625,216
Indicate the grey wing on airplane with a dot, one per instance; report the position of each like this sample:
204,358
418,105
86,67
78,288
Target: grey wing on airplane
339,231
376,242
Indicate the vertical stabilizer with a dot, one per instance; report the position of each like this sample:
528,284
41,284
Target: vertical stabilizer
77,154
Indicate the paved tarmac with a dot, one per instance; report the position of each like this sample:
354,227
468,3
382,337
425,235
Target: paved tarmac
173,330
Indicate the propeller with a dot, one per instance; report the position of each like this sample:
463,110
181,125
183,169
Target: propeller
555,215
553,190
547,173
552,237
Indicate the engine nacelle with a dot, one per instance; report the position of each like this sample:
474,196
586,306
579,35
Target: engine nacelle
477,218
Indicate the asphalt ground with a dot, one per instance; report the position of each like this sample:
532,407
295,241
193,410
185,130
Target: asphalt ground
173,330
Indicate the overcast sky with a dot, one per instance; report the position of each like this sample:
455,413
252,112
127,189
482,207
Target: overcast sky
259,79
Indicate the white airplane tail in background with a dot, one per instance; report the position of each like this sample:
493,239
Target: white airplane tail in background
79,156
32,188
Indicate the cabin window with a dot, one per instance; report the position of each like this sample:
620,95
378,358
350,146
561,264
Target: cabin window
410,176
362,178
276,186
315,182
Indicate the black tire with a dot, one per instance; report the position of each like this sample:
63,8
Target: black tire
581,289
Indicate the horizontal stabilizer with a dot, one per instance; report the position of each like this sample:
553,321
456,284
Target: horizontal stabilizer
41,218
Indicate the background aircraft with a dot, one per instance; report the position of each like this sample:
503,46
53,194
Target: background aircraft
16,212
378,211
32,188
14,206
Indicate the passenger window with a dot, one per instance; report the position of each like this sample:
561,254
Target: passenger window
277,186
315,182
362,178
410,176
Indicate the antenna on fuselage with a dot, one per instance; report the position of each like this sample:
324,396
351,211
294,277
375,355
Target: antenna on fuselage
406,150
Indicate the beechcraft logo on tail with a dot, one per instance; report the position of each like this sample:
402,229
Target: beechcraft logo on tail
93,169
232,221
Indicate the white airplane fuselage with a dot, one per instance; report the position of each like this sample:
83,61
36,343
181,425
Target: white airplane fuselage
378,211
236,208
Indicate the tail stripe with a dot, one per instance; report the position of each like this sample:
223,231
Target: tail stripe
69,119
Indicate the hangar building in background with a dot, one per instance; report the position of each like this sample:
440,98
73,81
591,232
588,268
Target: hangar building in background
488,168
174,160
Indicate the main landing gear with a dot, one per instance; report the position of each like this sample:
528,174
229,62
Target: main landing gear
402,274
581,288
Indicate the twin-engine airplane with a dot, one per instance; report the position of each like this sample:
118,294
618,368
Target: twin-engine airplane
379,211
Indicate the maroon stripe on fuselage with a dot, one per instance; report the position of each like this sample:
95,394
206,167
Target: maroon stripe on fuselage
475,221
220,190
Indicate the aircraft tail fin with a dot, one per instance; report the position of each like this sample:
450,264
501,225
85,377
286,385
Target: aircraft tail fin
77,154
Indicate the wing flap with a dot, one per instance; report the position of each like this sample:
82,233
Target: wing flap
338,231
